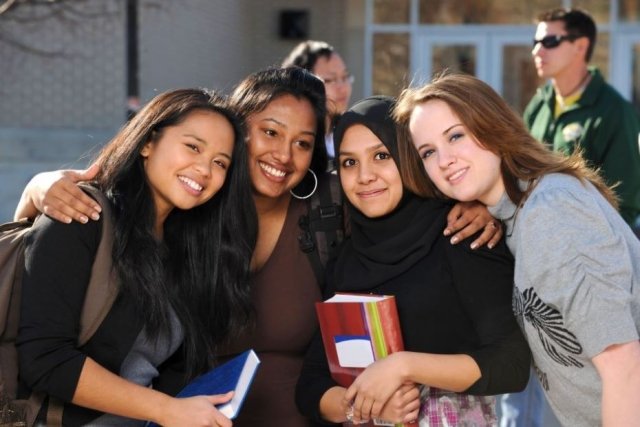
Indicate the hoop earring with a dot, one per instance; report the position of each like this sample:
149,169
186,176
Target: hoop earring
315,186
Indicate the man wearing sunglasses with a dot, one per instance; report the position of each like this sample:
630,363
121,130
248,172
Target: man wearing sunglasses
577,109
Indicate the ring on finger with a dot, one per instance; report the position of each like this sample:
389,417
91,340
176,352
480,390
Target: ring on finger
349,416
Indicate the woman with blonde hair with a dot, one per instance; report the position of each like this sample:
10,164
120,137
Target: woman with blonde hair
577,271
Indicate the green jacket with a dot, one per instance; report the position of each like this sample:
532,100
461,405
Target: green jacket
604,125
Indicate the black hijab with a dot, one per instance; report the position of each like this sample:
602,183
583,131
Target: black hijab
383,248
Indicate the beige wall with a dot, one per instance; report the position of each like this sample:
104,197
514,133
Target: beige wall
192,43
353,44
216,43
210,43
54,109
326,23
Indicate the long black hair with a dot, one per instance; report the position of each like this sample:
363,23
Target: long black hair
253,94
201,268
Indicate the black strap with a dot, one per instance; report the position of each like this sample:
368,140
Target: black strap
322,228
308,246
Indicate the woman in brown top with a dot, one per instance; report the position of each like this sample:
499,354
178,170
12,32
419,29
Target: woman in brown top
283,111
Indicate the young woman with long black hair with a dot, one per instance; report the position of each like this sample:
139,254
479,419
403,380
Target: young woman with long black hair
184,230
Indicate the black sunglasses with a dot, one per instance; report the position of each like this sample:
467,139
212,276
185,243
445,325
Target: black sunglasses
551,42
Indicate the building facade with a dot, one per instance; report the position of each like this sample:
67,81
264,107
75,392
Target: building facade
70,72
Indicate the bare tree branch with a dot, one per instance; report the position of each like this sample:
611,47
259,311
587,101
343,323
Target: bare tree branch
69,13
6,5
34,50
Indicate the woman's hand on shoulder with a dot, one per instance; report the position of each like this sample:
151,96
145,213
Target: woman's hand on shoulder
58,195
196,411
467,218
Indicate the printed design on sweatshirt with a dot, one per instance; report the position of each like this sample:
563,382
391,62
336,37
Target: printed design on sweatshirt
558,342
542,376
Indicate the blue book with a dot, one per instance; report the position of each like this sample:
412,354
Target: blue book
235,374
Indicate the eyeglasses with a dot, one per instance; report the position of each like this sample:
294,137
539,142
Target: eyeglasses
551,42
346,79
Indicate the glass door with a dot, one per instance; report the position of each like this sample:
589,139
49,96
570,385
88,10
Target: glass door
625,68
512,73
499,56
438,51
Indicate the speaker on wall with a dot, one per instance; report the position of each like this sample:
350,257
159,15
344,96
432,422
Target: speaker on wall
294,24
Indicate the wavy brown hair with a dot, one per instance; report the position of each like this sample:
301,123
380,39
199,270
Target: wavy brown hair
497,128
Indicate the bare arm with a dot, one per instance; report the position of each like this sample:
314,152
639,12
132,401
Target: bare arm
467,218
332,405
104,391
57,195
373,388
619,369
402,407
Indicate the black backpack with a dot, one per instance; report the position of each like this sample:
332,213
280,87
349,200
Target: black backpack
324,227
101,293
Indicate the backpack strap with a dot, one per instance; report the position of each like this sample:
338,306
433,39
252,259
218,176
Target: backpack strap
103,287
9,295
101,292
323,227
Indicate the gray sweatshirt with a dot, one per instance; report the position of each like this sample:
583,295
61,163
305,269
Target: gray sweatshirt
577,288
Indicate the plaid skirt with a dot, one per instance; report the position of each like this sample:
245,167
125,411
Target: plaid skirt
441,408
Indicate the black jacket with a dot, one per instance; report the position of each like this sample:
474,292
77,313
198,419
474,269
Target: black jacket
58,262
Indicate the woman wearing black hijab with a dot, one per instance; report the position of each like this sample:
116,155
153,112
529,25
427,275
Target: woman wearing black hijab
454,303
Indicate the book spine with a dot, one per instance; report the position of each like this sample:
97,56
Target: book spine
376,331
390,326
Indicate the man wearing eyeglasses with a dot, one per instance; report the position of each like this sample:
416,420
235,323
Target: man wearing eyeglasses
323,60
577,109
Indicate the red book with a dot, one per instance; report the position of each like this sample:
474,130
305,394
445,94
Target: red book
357,330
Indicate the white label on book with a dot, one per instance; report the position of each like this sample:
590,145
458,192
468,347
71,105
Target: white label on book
231,408
357,298
354,351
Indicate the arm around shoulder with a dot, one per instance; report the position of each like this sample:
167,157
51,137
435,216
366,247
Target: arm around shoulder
484,279
57,195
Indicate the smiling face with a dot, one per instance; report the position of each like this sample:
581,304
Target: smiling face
280,145
337,82
368,174
452,156
188,163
